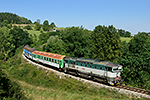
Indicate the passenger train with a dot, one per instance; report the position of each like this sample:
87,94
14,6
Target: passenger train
94,68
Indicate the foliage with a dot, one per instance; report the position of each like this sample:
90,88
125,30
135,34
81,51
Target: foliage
11,40
43,37
74,42
77,42
46,26
13,18
19,37
124,33
136,61
106,43
52,25
9,89
37,26
28,27
37,21
6,46
3,24
55,45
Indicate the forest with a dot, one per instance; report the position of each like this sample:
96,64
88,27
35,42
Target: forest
104,43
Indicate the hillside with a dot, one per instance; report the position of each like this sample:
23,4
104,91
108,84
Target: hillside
37,84
13,18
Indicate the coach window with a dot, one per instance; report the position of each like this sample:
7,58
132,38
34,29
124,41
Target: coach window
76,63
85,65
52,60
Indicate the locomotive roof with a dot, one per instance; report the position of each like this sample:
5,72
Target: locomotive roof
50,55
96,61
87,60
110,64
26,47
70,58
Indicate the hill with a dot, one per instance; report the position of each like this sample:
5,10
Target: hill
13,18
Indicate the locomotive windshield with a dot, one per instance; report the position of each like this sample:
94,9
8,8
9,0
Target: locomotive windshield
117,69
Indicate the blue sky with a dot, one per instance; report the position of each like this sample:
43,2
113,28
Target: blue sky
130,15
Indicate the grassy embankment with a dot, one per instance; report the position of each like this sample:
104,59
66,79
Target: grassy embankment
39,84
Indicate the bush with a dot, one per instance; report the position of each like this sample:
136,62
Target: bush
28,27
9,89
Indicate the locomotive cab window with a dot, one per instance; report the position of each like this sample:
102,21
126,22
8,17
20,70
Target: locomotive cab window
66,61
109,69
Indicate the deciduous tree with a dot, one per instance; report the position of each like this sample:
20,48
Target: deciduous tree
106,43
136,61
46,26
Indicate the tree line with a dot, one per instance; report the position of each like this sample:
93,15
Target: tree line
46,26
6,17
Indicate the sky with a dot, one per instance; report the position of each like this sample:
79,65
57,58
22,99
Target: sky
129,15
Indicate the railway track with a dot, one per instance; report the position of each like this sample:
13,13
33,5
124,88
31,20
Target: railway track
122,89
133,89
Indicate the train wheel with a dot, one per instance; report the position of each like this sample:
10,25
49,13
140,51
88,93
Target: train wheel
65,70
78,73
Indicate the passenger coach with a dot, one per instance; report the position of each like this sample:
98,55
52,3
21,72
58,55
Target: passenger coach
52,59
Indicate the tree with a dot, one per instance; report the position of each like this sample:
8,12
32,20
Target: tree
106,43
124,33
37,26
28,27
38,21
77,42
136,61
127,34
52,25
46,25
55,45
6,46
13,18
19,37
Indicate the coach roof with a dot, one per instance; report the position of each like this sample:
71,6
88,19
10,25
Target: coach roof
26,47
49,55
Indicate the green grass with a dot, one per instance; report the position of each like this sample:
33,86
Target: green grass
37,84
125,39
32,32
